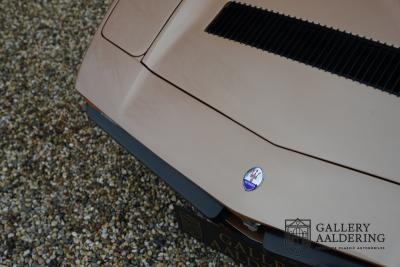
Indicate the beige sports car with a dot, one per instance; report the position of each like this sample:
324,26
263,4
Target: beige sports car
279,121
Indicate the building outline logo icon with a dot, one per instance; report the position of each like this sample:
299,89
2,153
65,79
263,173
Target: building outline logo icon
298,235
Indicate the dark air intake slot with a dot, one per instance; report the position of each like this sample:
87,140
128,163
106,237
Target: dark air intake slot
356,58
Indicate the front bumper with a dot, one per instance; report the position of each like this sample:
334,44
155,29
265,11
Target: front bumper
274,245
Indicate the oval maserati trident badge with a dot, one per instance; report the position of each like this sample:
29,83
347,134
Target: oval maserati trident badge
253,178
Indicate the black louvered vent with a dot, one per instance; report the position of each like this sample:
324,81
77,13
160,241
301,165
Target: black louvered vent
360,59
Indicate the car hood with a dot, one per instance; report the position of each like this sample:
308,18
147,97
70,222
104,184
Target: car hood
287,103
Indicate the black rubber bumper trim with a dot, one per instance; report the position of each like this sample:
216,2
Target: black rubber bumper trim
308,253
207,205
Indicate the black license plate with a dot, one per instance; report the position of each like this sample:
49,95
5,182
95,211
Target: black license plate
232,243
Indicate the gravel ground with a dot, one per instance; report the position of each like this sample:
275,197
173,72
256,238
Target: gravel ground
69,195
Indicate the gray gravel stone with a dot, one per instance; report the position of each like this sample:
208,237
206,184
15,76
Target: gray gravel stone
69,195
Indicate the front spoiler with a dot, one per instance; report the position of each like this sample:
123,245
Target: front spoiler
274,241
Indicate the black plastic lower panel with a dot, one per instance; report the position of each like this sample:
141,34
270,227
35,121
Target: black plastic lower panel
229,241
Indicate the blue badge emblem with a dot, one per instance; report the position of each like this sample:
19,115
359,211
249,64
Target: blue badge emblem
253,178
